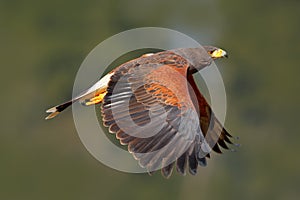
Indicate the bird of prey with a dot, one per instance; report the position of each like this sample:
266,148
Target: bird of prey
153,105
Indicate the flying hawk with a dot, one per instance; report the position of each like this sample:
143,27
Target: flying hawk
153,105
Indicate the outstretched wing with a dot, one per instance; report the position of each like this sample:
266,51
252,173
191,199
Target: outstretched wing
149,107
211,127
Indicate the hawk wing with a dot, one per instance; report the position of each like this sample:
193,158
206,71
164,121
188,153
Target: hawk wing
211,127
149,107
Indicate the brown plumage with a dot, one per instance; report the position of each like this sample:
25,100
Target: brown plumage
153,105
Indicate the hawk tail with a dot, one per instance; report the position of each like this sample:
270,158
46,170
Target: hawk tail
86,100
58,109
91,96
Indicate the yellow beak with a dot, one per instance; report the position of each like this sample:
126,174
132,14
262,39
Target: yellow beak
219,53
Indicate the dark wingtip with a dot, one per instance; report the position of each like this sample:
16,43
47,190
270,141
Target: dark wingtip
167,171
193,171
202,162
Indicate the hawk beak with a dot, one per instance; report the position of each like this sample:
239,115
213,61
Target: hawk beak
219,53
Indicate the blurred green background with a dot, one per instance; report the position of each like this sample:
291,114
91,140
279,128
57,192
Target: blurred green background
42,44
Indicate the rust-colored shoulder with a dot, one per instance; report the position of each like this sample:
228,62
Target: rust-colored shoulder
168,84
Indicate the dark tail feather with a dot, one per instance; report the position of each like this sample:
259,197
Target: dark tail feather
57,109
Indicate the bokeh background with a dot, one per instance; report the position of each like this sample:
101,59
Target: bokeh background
42,44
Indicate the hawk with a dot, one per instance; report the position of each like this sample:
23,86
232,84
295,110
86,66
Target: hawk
153,105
